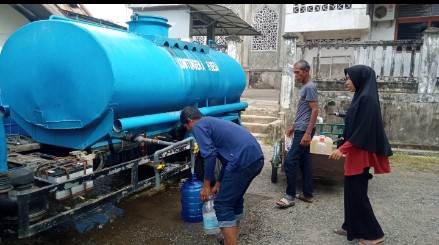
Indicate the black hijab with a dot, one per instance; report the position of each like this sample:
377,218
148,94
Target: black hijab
364,124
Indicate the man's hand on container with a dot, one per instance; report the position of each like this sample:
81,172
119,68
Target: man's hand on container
216,188
306,139
290,131
205,191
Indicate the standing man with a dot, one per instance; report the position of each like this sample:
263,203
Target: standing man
241,158
301,132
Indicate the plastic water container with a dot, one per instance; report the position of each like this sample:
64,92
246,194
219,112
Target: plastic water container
314,141
210,221
191,205
288,142
329,143
321,147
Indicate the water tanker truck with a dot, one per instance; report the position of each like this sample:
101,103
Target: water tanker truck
101,108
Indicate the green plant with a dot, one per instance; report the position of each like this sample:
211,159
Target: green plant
269,141
412,163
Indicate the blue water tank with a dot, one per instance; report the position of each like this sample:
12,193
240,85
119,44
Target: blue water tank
11,127
191,205
67,81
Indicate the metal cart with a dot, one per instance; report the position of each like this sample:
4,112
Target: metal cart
323,168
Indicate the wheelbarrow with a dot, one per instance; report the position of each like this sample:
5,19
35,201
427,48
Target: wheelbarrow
323,167
279,155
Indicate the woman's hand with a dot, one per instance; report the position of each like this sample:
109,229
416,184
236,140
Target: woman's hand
336,154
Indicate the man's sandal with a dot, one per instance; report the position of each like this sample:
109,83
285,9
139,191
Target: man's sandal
220,241
285,203
305,199
340,231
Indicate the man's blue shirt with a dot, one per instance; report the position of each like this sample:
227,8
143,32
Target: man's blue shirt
233,144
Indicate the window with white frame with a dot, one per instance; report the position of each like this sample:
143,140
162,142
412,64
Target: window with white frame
413,19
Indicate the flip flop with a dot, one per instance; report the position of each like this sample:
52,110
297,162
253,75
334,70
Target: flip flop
371,242
220,241
285,203
340,231
305,199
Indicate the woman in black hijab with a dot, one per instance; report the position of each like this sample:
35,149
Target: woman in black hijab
366,145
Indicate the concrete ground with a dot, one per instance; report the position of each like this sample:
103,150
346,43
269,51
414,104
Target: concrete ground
406,214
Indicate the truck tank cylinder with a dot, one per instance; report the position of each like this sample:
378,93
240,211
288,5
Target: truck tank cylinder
77,78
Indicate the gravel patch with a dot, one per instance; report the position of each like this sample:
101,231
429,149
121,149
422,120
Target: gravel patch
406,204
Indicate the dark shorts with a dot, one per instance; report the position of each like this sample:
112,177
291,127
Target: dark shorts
229,202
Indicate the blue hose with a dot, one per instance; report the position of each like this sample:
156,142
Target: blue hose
169,117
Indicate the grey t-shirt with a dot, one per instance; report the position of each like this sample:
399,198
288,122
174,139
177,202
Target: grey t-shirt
308,93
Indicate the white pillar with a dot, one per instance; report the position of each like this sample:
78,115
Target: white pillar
233,47
286,89
429,63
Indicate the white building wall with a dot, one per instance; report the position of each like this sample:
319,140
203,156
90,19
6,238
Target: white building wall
382,30
328,25
10,21
334,20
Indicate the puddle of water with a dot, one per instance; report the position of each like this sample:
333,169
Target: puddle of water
87,221
146,218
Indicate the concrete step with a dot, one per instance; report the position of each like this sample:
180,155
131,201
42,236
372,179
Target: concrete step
261,103
261,111
258,119
260,137
261,128
275,130
265,130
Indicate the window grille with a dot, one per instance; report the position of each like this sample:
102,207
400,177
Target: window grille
220,41
304,8
200,39
322,41
266,21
